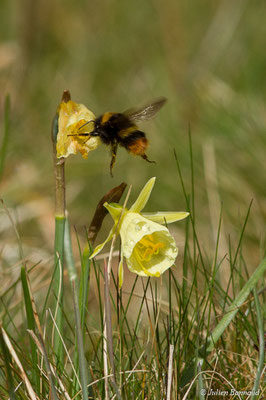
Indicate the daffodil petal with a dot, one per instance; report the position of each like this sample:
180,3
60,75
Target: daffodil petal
114,209
146,244
71,118
139,261
134,226
101,246
165,217
143,196
121,271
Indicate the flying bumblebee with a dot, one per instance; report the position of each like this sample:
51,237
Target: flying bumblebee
120,129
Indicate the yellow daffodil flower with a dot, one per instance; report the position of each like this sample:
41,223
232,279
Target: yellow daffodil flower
72,122
146,244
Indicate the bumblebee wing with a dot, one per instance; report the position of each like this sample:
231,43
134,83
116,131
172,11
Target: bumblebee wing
146,112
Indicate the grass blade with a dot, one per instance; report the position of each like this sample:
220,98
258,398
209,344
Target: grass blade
30,323
27,299
234,307
261,346
170,371
32,394
7,363
84,284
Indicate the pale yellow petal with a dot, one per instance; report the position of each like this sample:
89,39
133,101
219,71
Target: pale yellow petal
114,209
143,196
121,271
72,121
134,226
101,246
166,217
146,261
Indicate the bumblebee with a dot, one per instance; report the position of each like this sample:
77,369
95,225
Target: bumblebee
120,129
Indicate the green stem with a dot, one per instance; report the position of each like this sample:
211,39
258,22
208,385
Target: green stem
79,349
58,284
59,173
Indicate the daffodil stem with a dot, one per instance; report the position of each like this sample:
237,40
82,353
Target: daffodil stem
59,174
60,198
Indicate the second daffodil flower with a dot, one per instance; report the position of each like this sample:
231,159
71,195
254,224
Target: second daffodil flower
75,120
146,244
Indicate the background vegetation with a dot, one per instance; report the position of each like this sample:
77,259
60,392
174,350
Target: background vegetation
208,58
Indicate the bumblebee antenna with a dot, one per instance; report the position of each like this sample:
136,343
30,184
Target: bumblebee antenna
80,134
86,123
83,133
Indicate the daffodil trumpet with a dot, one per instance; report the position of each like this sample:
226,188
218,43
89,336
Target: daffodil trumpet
73,126
146,243
79,133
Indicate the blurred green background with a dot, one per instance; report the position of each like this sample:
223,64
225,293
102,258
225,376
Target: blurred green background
207,57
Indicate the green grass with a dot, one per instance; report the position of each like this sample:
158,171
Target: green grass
213,327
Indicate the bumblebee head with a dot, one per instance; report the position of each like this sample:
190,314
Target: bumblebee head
96,126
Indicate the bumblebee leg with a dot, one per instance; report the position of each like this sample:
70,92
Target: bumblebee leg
144,156
113,153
